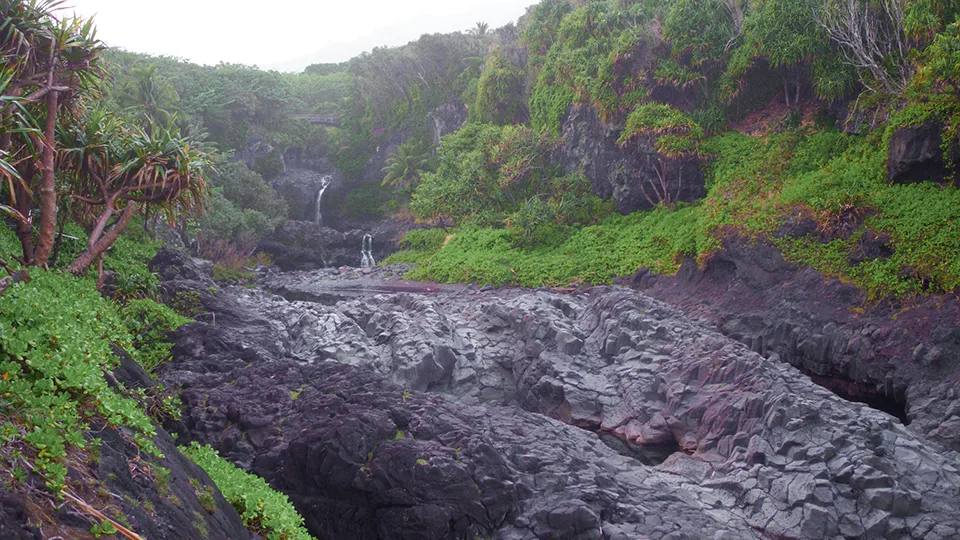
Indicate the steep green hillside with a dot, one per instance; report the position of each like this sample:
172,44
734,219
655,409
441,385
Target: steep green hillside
791,121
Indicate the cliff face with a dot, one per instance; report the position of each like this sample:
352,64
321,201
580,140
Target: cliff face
623,174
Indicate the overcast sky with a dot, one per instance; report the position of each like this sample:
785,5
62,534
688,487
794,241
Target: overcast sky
283,34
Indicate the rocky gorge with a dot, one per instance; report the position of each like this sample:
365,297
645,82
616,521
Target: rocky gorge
389,409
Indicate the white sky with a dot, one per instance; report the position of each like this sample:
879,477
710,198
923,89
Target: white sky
282,34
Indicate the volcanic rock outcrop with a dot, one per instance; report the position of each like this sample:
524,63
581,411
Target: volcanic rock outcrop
535,414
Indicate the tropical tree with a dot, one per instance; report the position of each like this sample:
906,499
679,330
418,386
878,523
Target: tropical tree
405,166
500,93
49,63
151,99
873,39
117,171
15,122
480,29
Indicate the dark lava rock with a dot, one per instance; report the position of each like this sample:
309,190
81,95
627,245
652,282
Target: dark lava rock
872,246
915,154
157,504
304,245
13,518
175,265
300,187
590,146
896,356
462,414
796,227
158,498
164,509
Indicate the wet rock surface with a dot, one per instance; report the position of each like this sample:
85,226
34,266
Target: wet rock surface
13,518
304,245
535,414
622,174
299,186
904,356
916,154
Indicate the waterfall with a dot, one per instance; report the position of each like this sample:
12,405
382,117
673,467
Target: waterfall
324,184
366,253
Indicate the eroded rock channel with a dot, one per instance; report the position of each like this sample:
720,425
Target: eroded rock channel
421,412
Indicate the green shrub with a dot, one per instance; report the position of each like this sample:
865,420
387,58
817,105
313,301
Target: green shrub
269,166
485,173
248,190
223,273
150,324
10,247
500,93
547,220
225,221
264,511
128,260
56,333
418,245
597,55
366,201
754,184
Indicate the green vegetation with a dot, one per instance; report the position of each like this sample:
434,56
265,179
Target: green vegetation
491,175
677,76
393,91
617,246
264,511
406,166
150,323
756,184
56,334
500,93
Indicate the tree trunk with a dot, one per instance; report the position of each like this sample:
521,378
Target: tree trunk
85,259
25,229
58,243
48,186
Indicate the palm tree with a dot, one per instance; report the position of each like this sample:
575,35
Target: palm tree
152,100
405,166
480,29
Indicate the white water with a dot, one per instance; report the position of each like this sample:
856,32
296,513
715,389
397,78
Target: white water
324,184
366,253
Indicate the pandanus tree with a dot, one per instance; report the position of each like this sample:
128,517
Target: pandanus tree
50,139
47,63
117,171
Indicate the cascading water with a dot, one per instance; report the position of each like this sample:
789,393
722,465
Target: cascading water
324,184
366,253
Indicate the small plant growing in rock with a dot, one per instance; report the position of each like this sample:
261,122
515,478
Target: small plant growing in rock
105,528
204,495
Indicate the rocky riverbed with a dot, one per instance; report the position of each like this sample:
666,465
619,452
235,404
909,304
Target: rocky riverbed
388,409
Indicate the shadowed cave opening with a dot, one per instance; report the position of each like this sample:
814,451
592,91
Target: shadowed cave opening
650,455
867,394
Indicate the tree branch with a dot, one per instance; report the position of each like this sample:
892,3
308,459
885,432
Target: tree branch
85,259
